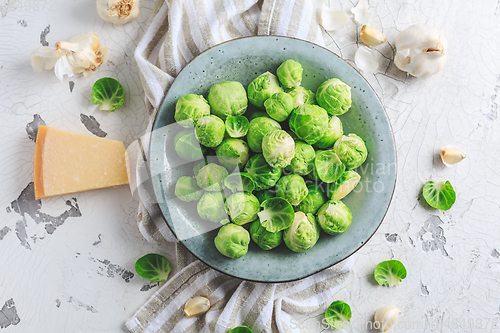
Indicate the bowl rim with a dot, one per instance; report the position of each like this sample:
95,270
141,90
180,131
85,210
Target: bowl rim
393,139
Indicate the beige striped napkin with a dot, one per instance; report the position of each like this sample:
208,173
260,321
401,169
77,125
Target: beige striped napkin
178,31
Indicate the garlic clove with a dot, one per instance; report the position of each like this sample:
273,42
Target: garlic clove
333,19
197,306
385,317
371,36
361,14
451,155
366,60
43,58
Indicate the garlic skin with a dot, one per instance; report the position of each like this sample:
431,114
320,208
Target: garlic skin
421,51
451,155
118,11
371,36
361,14
81,54
366,60
333,19
197,306
385,317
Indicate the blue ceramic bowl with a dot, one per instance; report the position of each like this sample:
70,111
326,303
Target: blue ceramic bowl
242,60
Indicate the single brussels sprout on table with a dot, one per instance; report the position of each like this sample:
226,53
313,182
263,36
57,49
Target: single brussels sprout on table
187,146
153,267
278,148
108,93
264,239
279,106
239,182
292,188
303,161
302,96
334,96
334,217
351,150
232,241
211,207
211,176
210,131
302,234
264,175
191,107
440,195
242,207
337,314
237,126
263,87
345,185
328,166
228,98
313,201
186,189
233,153
333,132
389,273
277,214
265,194
309,122
290,73
258,128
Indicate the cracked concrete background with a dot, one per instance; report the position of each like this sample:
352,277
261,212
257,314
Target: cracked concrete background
71,259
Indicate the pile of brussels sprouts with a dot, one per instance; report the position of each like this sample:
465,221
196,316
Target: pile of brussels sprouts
272,175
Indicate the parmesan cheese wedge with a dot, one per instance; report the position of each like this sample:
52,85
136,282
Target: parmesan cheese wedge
68,162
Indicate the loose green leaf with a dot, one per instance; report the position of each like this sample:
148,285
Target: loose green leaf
109,93
440,195
240,329
390,273
153,267
237,126
277,214
337,314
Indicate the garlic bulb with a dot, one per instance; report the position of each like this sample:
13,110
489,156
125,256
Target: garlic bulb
197,306
333,19
385,317
421,51
451,155
82,54
371,36
118,11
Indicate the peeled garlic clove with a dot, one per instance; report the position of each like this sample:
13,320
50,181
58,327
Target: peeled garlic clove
333,19
371,36
385,317
451,155
361,14
421,51
197,306
366,60
118,11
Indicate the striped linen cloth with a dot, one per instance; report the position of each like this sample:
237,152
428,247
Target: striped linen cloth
177,31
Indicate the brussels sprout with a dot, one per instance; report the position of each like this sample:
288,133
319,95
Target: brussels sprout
211,207
239,182
264,239
240,329
186,189
279,106
309,122
258,128
328,166
109,93
232,241
265,194
191,107
277,214
198,165
293,188
278,148
345,184
264,175
302,234
263,87
439,195
389,273
290,73
210,131
337,314
258,114
303,161
313,201
333,132
237,126
187,146
351,150
228,98
242,207
210,177
334,96
334,217
302,96
232,153
153,267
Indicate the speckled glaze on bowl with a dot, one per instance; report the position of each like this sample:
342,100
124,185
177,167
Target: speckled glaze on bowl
242,60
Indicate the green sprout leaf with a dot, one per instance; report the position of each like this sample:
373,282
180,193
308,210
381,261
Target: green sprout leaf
240,329
153,267
109,93
390,273
337,314
440,195
277,215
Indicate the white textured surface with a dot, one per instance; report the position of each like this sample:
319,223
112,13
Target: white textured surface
71,279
